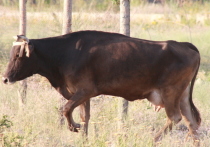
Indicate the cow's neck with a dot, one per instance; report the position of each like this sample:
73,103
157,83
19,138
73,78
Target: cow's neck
48,62
48,50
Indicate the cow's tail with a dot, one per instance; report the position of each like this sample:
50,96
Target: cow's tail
194,110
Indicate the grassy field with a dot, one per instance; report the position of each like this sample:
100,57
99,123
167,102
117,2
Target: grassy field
37,124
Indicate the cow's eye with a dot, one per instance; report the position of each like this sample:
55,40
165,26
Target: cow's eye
17,55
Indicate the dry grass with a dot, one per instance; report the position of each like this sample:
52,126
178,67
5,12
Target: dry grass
37,124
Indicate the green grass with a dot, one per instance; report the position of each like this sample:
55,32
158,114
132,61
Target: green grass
37,124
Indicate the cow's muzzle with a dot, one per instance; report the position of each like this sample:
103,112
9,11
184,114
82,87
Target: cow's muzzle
6,81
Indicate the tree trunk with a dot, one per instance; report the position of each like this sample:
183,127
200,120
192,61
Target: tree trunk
67,15
124,29
22,31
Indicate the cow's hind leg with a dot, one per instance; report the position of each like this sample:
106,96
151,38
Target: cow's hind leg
171,100
77,99
190,113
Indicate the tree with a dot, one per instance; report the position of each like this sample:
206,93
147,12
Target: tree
22,31
124,29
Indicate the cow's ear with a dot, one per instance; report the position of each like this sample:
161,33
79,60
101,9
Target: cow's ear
29,49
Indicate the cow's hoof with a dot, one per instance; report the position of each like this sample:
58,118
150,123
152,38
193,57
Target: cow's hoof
73,129
193,137
158,137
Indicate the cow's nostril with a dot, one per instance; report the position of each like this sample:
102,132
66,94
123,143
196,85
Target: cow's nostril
5,80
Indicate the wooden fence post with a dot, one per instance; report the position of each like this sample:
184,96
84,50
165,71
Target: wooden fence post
67,16
124,29
22,31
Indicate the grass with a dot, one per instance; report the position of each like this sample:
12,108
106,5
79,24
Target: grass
37,123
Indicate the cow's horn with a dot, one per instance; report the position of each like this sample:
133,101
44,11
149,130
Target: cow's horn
24,38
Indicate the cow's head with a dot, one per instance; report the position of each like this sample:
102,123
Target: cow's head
19,66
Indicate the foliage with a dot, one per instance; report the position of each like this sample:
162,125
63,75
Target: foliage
100,5
117,2
11,140
5,123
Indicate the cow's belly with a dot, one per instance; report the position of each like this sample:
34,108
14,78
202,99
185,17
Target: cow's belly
128,93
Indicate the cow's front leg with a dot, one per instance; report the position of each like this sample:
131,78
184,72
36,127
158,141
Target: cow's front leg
77,99
85,115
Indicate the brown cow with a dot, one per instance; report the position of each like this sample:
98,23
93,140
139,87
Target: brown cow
85,64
